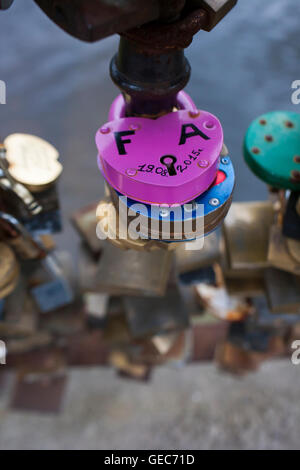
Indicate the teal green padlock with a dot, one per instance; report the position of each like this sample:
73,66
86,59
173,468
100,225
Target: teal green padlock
272,149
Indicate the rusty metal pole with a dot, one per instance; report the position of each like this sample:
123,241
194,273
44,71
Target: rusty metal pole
149,82
150,67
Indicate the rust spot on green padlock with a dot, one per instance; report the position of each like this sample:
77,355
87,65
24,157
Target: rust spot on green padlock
272,149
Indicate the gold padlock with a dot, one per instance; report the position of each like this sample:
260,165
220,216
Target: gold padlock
246,234
9,270
131,272
85,221
293,247
111,225
279,255
15,234
195,255
12,190
32,161
245,287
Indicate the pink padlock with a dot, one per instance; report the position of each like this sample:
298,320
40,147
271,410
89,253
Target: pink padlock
168,160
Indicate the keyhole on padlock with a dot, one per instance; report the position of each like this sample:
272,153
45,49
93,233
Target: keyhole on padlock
169,161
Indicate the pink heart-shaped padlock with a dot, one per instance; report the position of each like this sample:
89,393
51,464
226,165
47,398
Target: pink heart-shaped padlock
169,160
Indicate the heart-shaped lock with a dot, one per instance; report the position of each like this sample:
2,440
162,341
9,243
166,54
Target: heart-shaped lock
169,160
215,202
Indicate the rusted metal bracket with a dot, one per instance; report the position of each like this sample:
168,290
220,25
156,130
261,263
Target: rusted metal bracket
150,67
91,20
5,4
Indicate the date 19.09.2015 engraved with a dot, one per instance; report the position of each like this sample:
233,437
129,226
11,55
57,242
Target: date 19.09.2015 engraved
169,162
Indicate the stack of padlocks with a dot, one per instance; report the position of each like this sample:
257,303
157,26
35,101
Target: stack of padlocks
152,293
180,163
154,300
262,246
239,293
32,279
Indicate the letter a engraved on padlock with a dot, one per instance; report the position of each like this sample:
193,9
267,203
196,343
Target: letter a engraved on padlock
2,353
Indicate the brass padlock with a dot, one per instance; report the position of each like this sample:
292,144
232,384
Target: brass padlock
11,188
9,270
246,234
32,161
119,235
189,259
29,173
23,243
279,255
132,273
293,247
85,222
245,287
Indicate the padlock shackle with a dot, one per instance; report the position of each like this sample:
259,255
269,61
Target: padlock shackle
118,107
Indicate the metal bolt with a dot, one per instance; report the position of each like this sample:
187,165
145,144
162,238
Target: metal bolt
190,207
105,130
164,213
214,202
203,163
131,171
209,125
135,127
195,113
